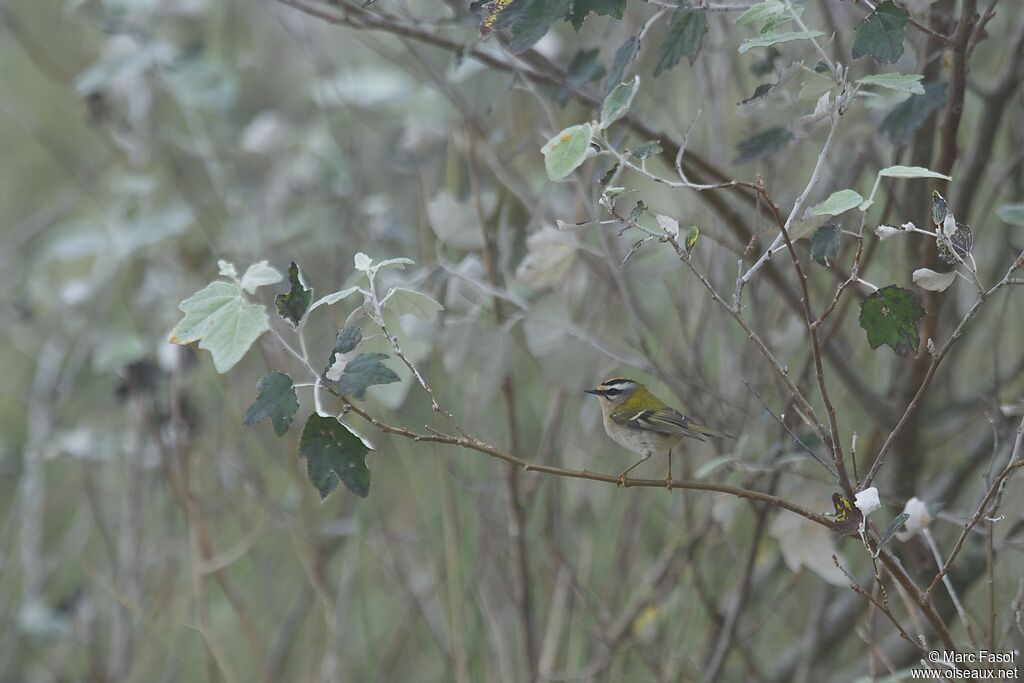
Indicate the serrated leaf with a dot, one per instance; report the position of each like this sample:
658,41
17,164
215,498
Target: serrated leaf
776,37
363,371
893,527
940,208
565,152
683,39
1011,213
333,453
907,116
837,203
583,69
618,102
895,81
881,34
581,8
762,145
528,20
294,303
276,399
222,321
402,301
825,244
624,56
890,316
333,298
651,148
933,281
911,172
258,275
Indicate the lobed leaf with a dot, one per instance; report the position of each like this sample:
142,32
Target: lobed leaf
294,303
334,453
276,399
889,316
881,34
222,321
684,38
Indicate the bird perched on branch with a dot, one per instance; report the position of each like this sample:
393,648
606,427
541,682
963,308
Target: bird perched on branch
641,422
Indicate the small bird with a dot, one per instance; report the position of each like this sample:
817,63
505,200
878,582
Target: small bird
641,422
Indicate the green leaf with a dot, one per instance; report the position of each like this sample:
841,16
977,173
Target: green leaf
399,263
651,148
837,203
365,370
222,321
259,274
528,20
581,8
1012,214
565,152
776,37
881,34
896,81
583,69
333,298
624,56
334,453
639,210
618,102
402,301
348,339
911,172
684,38
762,145
691,238
276,399
939,208
825,244
762,11
893,527
907,116
890,316
293,304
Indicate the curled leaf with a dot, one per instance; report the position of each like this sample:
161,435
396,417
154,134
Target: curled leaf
926,278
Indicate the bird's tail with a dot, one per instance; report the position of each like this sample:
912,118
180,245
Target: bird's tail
708,431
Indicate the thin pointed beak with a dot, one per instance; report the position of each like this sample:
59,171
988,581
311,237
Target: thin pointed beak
595,392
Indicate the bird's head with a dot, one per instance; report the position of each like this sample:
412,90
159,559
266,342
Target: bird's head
614,392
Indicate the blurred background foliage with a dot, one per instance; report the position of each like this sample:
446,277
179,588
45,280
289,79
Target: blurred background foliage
147,536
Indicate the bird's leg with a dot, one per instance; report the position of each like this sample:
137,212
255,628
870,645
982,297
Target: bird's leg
668,477
623,473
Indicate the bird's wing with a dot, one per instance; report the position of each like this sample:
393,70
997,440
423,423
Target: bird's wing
664,421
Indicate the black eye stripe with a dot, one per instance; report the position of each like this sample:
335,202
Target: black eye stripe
612,392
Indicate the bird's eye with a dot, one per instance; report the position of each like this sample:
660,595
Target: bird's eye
612,392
